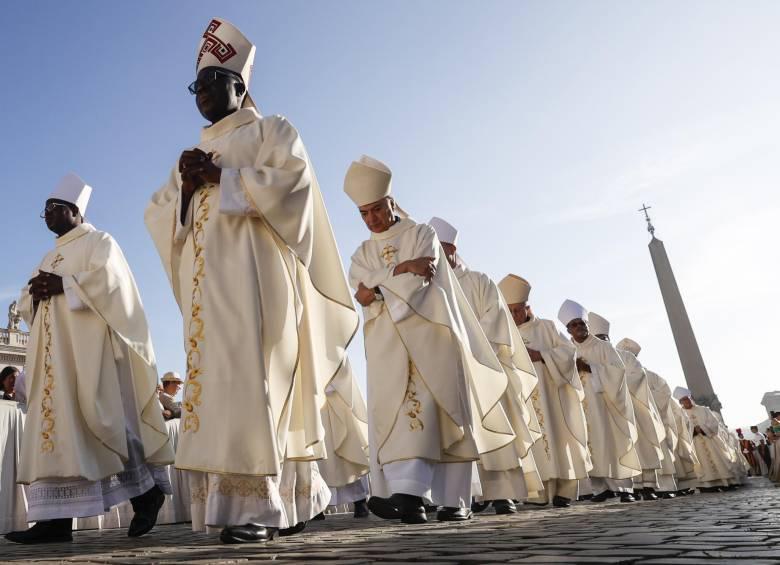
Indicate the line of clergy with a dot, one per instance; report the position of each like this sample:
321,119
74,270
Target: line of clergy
472,399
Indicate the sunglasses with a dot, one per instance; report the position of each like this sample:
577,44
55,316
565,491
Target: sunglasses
51,206
207,80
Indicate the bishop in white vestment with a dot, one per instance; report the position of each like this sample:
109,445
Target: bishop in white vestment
562,455
609,412
246,242
686,463
521,479
94,435
716,468
662,396
425,350
650,428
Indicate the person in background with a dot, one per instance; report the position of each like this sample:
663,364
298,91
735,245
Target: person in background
8,382
171,384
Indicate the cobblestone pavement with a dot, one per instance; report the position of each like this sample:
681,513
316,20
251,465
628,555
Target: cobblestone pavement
717,528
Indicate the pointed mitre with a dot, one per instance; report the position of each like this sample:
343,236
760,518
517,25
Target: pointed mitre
571,310
598,325
628,344
74,190
445,231
224,46
681,392
515,289
367,181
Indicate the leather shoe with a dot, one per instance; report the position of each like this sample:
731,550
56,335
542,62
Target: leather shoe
146,508
45,531
412,508
602,496
477,507
320,516
361,509
296,529
668,495
449,514
627,497
649,494
247,533
504,507
384,508
561,502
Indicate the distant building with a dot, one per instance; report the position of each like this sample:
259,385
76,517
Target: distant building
13,340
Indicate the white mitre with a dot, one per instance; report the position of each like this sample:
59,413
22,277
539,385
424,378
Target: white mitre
74,190
514,289
571,310
628,344
224,46
445,231
598,324
681,392
367,181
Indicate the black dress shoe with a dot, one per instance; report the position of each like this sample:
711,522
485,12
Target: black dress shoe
385,508
296,529
627,497
361,509
247,533
504,507
534,503
45,531
320,516
412,508
649,494
584,497
449,514
146,508
561,502
667,495
602,496
477,507
638,494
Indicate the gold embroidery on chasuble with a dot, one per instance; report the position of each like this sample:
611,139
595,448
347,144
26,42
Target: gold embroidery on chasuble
411,404
47,403
583,378
540,418
192,390
249,487
388,255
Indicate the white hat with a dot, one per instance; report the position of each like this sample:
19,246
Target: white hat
681,392
571,310
74,190
172,377
224,46
367,181
628,344
598,324
445,231
515,289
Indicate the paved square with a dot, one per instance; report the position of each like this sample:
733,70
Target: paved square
741,526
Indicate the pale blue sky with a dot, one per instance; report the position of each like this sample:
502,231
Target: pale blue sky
538,128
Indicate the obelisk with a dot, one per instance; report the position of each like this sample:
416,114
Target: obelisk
687,348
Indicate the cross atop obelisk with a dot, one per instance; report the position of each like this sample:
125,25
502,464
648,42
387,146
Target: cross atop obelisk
687,348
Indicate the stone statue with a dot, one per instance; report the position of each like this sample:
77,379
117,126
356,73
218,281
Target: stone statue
14,317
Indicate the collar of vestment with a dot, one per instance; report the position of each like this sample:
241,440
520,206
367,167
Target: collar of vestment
588,341
460,269
398,227
236,119
75,233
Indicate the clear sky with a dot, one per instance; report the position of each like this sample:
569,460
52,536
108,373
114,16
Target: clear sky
537,128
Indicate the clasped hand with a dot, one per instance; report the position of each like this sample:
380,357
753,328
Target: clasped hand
422,266
197,168
45,285
364,295
534,355
582,365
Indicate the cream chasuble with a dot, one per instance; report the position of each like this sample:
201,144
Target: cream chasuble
609,413
662,395
716,466
496,321
424,347
267,311
345,419
563,452
650,428
80,342
686,462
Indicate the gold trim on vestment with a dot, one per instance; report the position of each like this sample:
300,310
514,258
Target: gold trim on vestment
47,401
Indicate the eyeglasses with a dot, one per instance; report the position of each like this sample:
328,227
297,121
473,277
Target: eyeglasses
207,80
51,206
